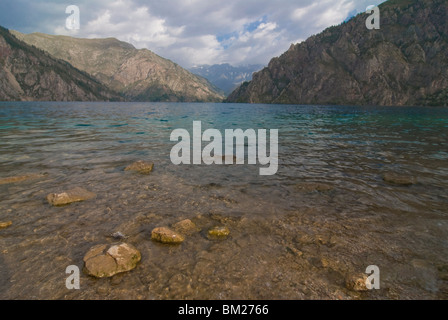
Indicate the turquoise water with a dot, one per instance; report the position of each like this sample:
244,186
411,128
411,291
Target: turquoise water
288,240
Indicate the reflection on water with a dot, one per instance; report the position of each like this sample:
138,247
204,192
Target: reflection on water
289,239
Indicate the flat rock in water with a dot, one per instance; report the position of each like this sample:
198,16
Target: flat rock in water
17,179
74,195
166,236
218,233
313,186
399,179
186,227
4,225
104,261
141,167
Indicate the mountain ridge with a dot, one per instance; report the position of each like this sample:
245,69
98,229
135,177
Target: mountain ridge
137,74
28,73
225,76
403,63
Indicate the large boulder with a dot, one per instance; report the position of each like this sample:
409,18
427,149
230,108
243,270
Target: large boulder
104,261
74,195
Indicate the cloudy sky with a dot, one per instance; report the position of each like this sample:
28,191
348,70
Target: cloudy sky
189,32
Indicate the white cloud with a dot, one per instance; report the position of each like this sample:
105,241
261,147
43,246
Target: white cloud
187,31
135,25
300,13
264,30
335,13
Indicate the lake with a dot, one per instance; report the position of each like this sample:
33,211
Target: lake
326,214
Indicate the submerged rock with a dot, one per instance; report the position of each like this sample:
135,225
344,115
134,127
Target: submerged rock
443,272
104,261
74,195
141,167
294,251
425,274
4,225
166,236
399,179
313,186
356,282
118,235
17,179
218,233
186,227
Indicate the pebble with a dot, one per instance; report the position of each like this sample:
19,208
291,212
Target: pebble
186,227
356,282
71,196
118,235
4,225
166,236
313,186
17,179
218,233
399,179
140,167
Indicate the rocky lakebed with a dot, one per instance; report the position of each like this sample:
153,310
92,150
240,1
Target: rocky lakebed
90,186
201,251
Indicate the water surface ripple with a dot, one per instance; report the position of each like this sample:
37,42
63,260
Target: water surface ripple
288,240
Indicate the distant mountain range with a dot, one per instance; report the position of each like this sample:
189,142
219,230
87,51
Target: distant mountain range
226,77
403,63
93,69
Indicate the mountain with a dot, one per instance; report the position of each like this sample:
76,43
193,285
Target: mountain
403,63
27,73
138,75
226,77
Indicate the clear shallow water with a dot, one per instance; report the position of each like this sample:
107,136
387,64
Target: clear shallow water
287,242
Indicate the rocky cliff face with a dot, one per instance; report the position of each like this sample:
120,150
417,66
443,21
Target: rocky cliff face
139,75
27,73
403,63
